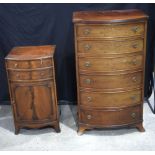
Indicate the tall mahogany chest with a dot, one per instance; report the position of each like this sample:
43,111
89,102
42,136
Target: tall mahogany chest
31,79
110,65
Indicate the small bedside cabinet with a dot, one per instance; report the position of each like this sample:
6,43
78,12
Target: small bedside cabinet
32,86
110,68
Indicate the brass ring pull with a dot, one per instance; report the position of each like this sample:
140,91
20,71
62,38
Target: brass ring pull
89,99
134,62
134,79
86,31
135,29
88,81
133,115
17,75
42,74
15,65
87,64
87,47
133,97
134,45
89,116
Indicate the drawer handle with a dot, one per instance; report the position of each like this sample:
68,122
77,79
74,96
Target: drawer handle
134,62
86,31
87,64
89,116
133,97
135,29
13,101
89,99
17,75
88,81
87,47
134,45
15,65
134,79
133,115
42,74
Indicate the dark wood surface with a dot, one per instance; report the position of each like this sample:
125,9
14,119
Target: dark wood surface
108,16
31,79
110,62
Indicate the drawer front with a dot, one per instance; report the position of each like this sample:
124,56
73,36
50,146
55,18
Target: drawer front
110,100
110,30
111,118
131,80
110,64
100,48
12,64
30,75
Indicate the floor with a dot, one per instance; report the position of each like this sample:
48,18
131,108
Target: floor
68,140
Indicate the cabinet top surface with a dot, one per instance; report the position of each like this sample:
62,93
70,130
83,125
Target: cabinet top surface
31,52
108,16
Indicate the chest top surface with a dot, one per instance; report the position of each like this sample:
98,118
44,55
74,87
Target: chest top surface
31,52
108,16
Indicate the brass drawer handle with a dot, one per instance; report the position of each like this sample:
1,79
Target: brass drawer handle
134,79
88,81
135,29
133,115
89,116
86,31
13,101
134,45
87,64
42,74
89,99
134,62
18,76
15,65
133,97
87,47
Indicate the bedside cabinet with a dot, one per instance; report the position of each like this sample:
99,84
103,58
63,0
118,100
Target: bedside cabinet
31,79
110,65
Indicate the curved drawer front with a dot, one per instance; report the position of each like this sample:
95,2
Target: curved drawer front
100,48
29,64
111,118
110,30
30,75
124,81
110,100
110,64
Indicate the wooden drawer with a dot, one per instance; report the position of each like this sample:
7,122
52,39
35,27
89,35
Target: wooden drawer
117,81
110,30
92,64
31,64
100,48
30,75
111,117
110,100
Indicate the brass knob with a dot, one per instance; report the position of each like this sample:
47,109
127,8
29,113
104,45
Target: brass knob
134,79
87,64
135,29
133,115
86,31
15,65
89,116
134,45
87,81
133,97
87,47
13,101
89,99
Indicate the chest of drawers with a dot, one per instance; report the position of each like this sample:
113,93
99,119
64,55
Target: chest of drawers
32,86
110,65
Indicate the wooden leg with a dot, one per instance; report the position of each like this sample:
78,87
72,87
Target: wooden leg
140,127
57,128
17,129
81,130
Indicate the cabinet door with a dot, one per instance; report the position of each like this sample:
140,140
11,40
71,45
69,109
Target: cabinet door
34,101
